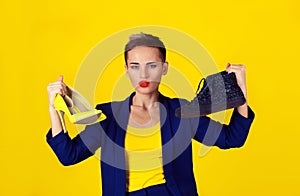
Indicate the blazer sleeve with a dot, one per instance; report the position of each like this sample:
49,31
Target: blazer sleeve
71,151
213,133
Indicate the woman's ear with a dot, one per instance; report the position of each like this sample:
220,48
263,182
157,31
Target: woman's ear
126,69
165,68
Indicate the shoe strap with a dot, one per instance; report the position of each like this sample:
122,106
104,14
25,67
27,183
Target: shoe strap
197,91
199,85
203,88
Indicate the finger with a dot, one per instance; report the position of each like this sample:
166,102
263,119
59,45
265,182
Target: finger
240,73
57,85
60,78
55,91
57,88
228,65
238,66
235,68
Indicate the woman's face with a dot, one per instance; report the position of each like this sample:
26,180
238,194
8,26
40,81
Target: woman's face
145,68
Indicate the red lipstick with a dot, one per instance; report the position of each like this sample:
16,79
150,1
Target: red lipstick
144,84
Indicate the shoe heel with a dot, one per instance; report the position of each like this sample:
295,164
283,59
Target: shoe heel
79,113
60,106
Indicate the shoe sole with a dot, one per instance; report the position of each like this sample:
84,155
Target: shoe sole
205,110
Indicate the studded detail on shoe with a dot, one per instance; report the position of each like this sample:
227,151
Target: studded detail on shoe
220,91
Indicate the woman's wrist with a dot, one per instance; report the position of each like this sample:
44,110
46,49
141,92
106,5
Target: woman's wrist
244,90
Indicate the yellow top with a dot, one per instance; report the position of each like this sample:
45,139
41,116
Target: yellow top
143,157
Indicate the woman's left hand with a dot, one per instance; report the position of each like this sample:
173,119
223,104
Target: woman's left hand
240,73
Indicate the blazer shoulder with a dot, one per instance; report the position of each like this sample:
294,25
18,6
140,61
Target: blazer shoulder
107,107
175,102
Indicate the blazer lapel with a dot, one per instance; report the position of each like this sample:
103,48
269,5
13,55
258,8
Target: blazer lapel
167,134
121,113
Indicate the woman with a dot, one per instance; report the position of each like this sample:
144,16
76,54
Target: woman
146,150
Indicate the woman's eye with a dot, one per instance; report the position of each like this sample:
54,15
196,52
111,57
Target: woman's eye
153,65
134,67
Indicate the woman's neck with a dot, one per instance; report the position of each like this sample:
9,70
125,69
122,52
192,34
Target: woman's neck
146,101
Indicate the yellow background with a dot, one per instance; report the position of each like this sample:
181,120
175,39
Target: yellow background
40,40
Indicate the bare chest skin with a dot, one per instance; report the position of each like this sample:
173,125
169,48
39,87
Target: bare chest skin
142,117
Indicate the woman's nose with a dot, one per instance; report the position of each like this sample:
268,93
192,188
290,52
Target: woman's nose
144,73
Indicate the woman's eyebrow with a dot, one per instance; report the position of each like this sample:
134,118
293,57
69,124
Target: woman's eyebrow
134,63
148,63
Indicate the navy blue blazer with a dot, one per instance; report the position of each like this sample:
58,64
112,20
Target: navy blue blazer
176,136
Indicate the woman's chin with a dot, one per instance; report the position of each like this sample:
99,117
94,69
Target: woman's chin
147,90
151,88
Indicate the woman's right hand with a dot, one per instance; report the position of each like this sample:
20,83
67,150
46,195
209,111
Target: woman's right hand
58,87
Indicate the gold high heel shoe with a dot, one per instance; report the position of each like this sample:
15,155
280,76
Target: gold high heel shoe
77,109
